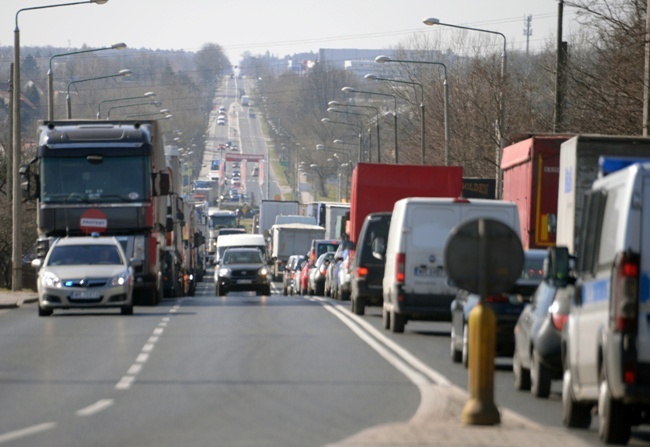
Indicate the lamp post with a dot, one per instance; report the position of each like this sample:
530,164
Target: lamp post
164,112
50,77
334,152
372,77
150,103
336,104
327,120
353,90
124,72
99,105
16,257
383,59
502,99
335,110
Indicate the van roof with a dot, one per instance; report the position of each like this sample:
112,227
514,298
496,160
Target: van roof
450,200
239,239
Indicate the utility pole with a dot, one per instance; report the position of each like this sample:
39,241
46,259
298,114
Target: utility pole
528,30
646,71
560,80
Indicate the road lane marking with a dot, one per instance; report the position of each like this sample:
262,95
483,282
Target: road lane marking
95,408
125,383
27,431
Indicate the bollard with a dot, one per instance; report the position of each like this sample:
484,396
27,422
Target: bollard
480,408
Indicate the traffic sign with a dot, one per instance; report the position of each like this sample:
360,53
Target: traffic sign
484,252
93,221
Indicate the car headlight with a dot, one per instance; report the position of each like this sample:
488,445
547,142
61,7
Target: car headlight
120,279
51,280
224,272
264,271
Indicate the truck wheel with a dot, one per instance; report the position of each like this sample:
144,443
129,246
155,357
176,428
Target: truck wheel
521,374
540,378
574,414
126,310
614,424
397,322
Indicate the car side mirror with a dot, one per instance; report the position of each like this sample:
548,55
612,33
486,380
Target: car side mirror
37,263
135,262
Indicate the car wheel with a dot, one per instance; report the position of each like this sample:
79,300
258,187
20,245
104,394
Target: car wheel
385,318
359,305
267,291
126,310
44,312
397,322
456,354
521,374
574,414
540,378
465,351
614,424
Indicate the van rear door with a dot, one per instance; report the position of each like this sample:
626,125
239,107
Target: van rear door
643,343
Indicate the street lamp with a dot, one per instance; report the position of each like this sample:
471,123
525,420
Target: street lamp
327,120
372,77
150,103
502,100
382,59
335,110
16,257
336,103
99,105
164,112
50,76
125,72
353,90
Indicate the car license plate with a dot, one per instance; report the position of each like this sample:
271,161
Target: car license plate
427,272
244,281
85,294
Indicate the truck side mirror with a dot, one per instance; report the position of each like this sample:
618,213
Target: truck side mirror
169,224
163,183
551,223
26,183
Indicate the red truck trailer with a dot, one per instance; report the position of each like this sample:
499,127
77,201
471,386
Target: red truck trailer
376,187
531,172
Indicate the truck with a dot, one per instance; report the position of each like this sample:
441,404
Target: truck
531,170
327,214
291,239
107,177
270,209
578,170
376,187
218,218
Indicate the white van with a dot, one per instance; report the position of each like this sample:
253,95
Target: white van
415,284
240,240
607,344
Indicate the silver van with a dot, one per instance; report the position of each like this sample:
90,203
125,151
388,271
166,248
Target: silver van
415,283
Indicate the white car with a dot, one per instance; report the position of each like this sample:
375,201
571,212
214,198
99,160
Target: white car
84,272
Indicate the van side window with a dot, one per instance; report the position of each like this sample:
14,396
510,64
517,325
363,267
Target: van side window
590,230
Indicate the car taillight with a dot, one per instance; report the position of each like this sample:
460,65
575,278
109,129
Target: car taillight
323,270
400,268
558,318
625,292
497,299
362,272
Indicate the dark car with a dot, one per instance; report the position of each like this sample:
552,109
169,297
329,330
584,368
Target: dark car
537,358
320,246
506,307
290,271
242,269
316,282
367,270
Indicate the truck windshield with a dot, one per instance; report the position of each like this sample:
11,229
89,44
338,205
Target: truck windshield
96,179
227,221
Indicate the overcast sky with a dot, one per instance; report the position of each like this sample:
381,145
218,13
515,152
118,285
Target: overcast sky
278,26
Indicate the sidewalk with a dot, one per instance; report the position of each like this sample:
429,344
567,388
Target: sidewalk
9,299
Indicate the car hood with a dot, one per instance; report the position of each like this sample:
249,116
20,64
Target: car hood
242,266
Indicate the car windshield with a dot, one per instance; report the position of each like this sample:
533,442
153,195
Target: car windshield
242,257
85,255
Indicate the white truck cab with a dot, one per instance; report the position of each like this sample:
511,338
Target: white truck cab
607,336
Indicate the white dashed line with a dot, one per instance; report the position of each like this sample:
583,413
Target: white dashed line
95,408
23,432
